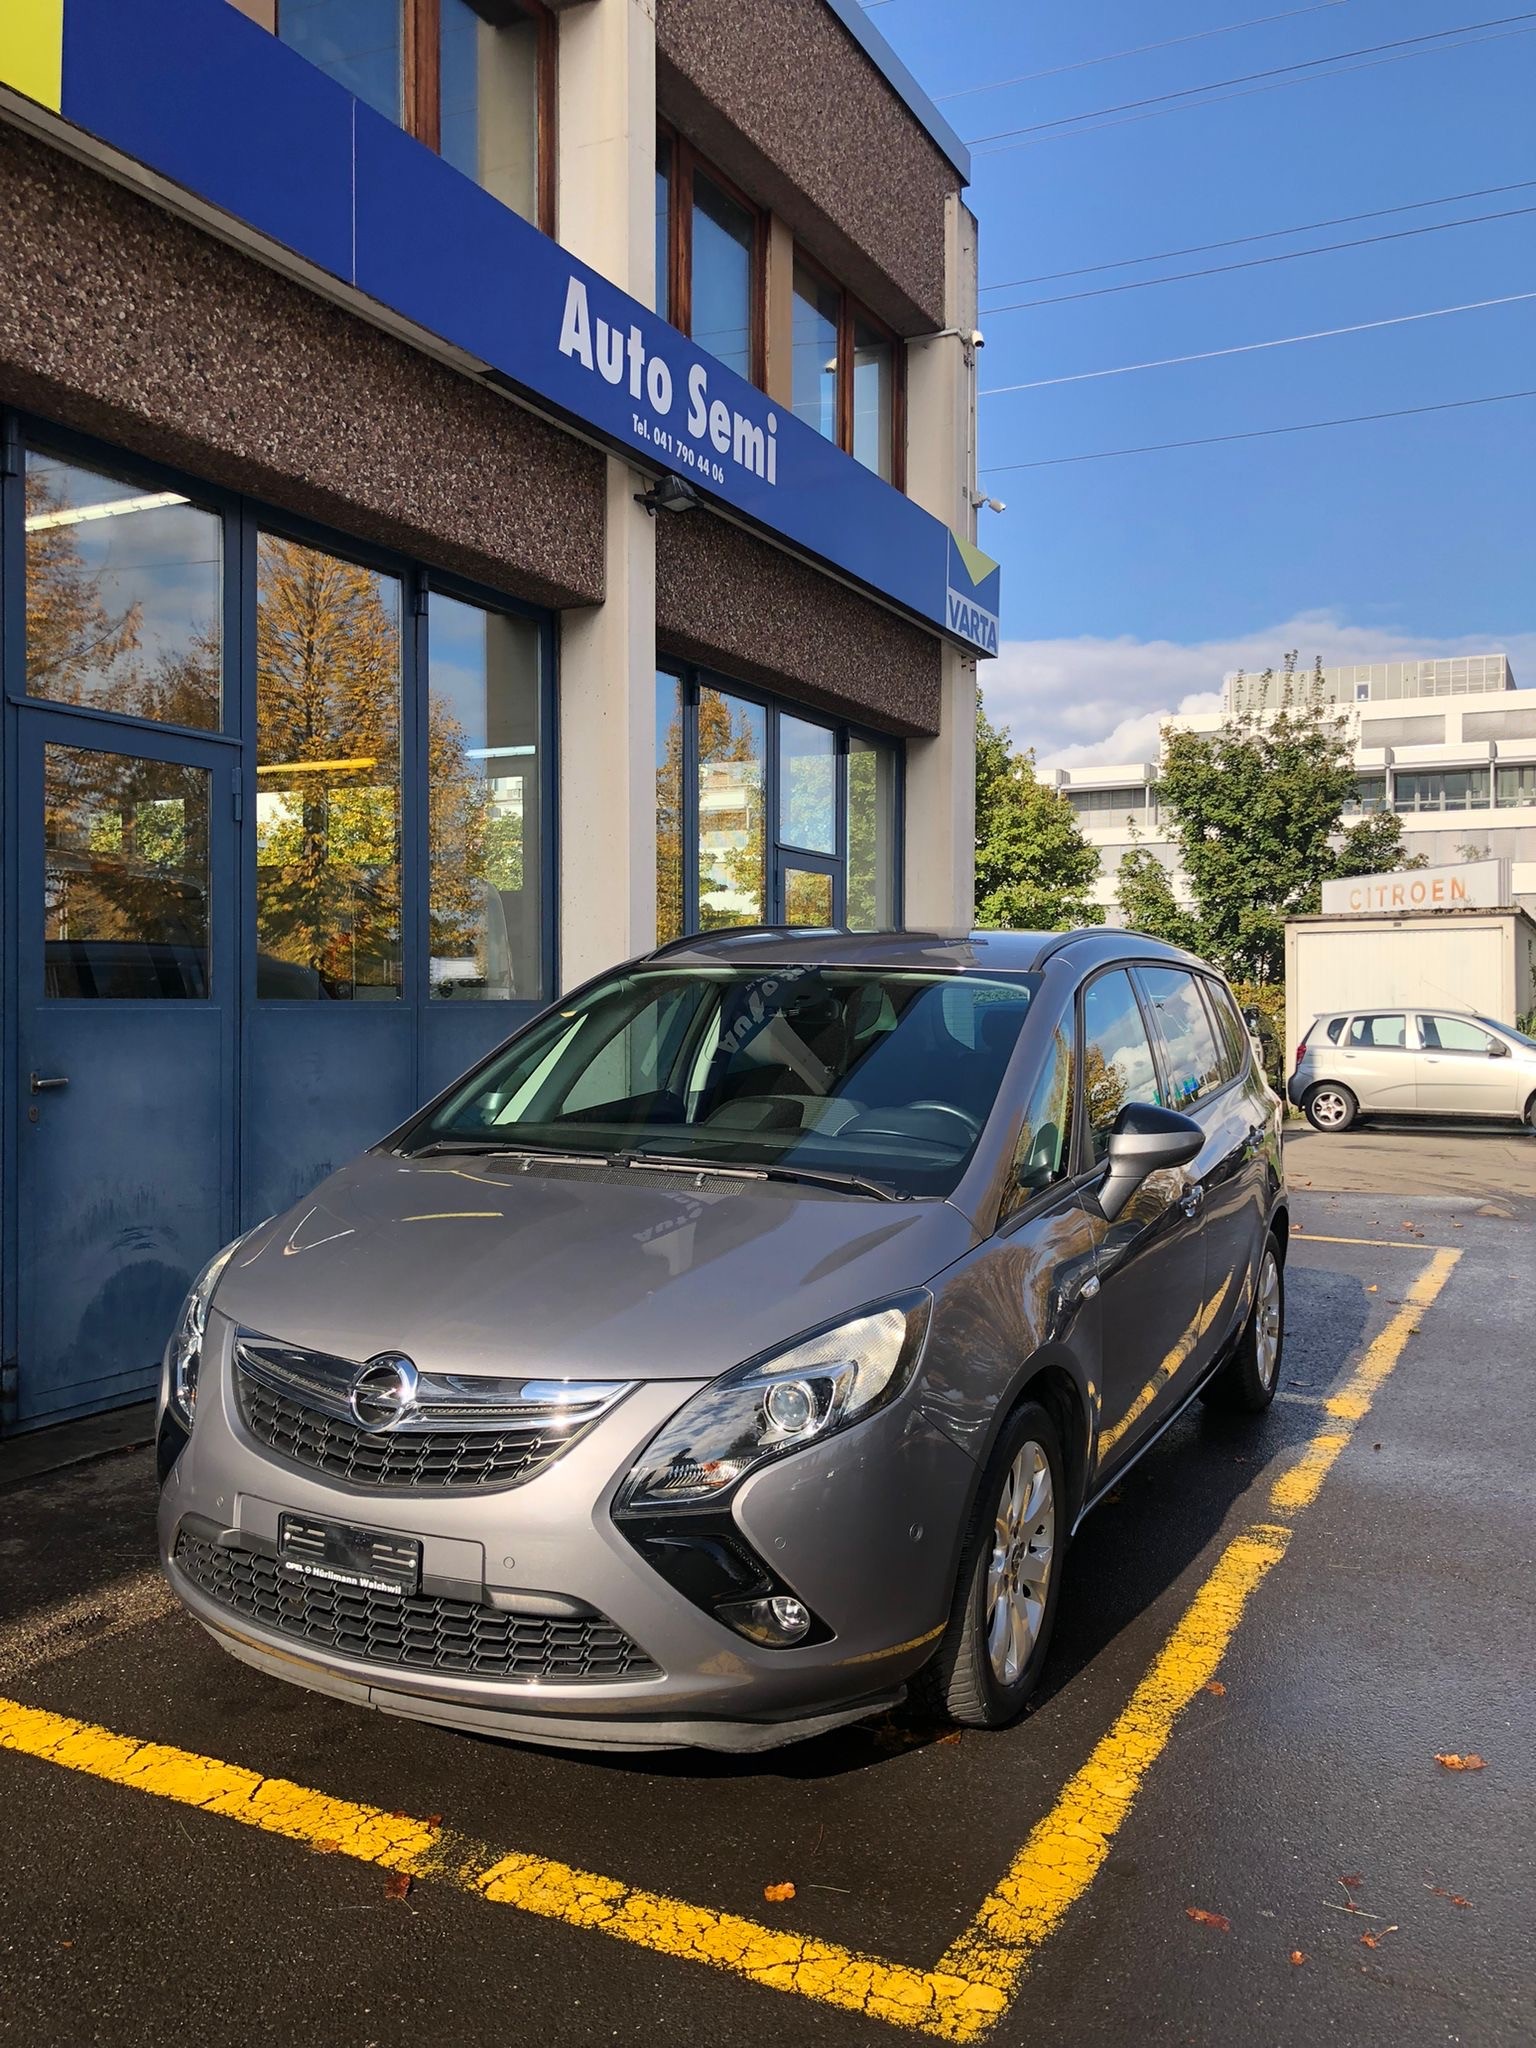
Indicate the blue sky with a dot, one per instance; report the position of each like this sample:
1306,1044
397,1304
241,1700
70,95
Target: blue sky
1131,585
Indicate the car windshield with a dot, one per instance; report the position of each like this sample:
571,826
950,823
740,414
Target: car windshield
882,1075
1509,1031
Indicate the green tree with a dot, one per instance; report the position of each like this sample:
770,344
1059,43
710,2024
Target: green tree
1145,898
1033,866
1257,812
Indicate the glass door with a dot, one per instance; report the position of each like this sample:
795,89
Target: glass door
126,1042
810,883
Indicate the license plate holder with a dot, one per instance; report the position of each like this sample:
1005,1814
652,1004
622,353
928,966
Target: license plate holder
340,1554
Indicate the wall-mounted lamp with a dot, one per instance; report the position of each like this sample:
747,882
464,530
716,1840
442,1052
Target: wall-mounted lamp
668,494
980,500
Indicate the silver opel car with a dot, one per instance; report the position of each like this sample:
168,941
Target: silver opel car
737,1348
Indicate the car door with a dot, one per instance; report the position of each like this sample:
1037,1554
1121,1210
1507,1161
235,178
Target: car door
1203,1077
1461,1069
1151,1259
1376,1062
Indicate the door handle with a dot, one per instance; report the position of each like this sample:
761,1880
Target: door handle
1190,1203
40,1082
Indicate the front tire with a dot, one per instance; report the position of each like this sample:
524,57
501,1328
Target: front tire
999,1631
1330,1107
1247,1382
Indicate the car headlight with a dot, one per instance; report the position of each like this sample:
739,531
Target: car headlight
184,1353
777,1404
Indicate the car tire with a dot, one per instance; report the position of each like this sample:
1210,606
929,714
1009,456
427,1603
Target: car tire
1530,1114
998,1635
1330,1107
1246,1383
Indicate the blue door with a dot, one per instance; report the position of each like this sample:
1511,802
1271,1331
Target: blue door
126,961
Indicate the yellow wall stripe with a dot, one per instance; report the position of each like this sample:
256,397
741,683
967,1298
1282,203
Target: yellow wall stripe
975,1981
32,49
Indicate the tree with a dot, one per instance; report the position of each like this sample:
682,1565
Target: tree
1257,812
1145,898
1033,866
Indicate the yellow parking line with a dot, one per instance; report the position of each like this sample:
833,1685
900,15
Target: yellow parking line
1381,1244
976,1979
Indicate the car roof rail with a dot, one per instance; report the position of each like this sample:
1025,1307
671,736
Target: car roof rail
690,940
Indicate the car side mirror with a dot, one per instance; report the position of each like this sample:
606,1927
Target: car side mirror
1498,1050
1144,1140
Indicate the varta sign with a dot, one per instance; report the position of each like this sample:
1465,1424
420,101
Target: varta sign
971,596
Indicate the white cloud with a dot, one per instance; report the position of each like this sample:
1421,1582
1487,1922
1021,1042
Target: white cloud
1088,700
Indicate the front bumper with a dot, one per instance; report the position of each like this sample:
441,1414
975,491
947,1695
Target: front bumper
864,1528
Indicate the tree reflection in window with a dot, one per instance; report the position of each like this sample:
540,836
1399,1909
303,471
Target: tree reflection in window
732,741
328,775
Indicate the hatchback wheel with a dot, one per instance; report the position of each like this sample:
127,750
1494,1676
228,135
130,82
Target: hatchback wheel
1248,1380
1331,1107
999,1630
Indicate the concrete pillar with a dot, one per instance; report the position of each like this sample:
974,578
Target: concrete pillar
606,213
941,477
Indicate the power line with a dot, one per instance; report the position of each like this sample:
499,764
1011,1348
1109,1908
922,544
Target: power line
1258,433
1140,50
1246,348
1308,227
1215,98
1245,78
1142,284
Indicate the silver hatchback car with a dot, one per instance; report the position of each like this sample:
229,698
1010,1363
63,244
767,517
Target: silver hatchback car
1412,1061
737,1346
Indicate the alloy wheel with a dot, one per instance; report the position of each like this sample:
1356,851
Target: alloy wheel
1019,1576
1267,1322
1330,1109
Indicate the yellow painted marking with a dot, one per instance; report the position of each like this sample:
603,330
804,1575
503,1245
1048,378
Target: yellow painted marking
1297,1488
975,1980
32,49
1380,1244
1064,1853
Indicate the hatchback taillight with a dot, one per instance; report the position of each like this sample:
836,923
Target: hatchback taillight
1301,1052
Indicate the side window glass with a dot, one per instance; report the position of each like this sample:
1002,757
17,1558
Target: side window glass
1379,1030
1041,1156
1194,1064
1453,1034
1118,1066
1334,1028
1230,1028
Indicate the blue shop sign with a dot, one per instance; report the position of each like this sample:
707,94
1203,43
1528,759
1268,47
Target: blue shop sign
198,93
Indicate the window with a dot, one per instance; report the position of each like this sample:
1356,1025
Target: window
847,374
711,254
1230,1029
472,79
1441,789
1370,794
125,591
328,673
764,816
1118,1066
1040,1158
1388,1029
1195,1067
1439,1033
483,766
1517,786
1108,804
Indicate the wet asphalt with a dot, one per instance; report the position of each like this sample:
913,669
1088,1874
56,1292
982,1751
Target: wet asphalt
1400,1623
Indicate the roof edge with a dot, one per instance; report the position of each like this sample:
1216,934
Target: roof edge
855,19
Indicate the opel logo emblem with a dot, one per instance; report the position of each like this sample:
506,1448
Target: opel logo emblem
384,1392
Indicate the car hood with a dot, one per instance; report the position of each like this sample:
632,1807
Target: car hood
475,1265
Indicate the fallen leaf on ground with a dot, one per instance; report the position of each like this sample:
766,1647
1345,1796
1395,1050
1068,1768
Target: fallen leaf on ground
327,1845
1205,1919
952,1736
1375,1447
1214,1685
1373,1290
397,1885
1452,1762
1297,1956
1440,1892
1353,1882
1375,1940
70,1944
777,1893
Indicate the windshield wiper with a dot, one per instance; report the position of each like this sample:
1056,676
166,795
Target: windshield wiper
852,1182
490,1148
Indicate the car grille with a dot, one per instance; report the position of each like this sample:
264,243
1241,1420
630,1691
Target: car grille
437,1457
418,1632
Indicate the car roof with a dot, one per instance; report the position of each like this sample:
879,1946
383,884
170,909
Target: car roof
955,952
1391,1009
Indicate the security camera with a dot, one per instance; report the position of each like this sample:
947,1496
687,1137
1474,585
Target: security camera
976,338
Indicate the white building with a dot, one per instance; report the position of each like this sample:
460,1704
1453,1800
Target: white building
1449,745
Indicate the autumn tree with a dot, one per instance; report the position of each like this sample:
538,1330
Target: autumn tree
1145,899
1034,868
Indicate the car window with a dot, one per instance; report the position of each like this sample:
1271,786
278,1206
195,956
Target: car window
1040,1157
1118,1066
1230,1028
1439,1033
1335,1026
1194,1063
1386,1028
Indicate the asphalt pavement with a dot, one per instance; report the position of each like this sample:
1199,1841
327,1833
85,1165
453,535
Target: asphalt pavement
1283,1859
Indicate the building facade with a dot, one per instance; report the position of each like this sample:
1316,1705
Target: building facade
486,484
1450,745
